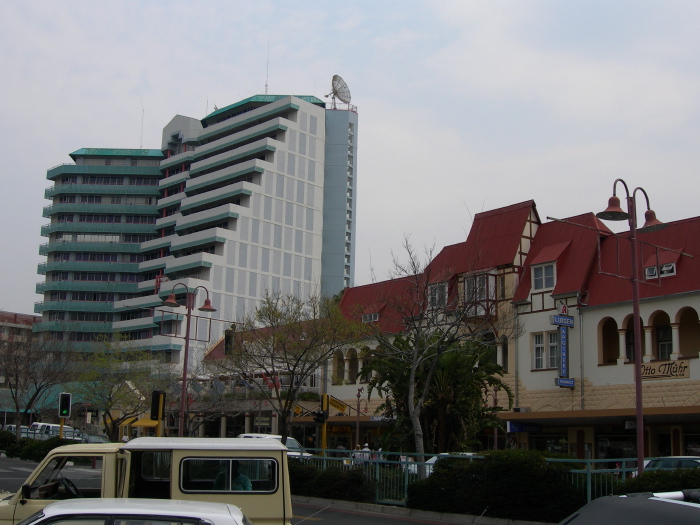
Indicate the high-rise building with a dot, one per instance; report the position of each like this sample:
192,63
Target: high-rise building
257,197
103,207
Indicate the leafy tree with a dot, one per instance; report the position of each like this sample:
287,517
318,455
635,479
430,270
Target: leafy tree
119,380
32,367
433,320
284,343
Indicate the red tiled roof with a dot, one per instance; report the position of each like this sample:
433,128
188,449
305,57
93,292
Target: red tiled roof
616,253
573,244
493,241
381,298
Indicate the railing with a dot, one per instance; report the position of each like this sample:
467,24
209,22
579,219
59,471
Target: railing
394,472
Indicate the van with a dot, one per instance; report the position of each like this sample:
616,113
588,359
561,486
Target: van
201,469
295,449
43,431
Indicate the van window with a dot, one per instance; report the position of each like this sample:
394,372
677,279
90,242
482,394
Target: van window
149,475
225,475
67,477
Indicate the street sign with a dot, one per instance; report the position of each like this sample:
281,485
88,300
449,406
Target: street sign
565,382
562,320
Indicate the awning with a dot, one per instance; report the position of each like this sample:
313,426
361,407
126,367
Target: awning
144,422
127,422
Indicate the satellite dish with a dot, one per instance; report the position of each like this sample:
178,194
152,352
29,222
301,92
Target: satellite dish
340,90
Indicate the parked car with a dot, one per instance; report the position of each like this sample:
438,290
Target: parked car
24,430
97,511
95,438
295,448
43,431
679,508
673,462
430,464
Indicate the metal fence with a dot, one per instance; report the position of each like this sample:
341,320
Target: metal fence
393,473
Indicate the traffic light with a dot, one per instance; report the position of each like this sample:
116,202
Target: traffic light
320,416
157,405
64,404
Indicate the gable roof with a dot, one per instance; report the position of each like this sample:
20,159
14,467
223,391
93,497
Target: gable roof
616,258
571,243
381,298
493,241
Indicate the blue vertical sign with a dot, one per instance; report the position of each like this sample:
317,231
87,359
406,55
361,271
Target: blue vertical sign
564,322
563,351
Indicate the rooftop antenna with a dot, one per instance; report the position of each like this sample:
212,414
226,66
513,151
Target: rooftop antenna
339,90
267,67
142,112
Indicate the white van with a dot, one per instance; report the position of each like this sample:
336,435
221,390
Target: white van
43,431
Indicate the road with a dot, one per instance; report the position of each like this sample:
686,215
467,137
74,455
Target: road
13,472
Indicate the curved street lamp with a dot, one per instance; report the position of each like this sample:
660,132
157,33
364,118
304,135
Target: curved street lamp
615,213
189,305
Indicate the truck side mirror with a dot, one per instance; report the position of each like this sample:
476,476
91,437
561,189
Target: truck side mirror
26,493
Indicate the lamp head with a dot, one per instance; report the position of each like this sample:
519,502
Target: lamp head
613,212
651,223
207,307
170,301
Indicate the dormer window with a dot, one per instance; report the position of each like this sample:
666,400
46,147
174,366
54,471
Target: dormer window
437,295
663,270
370,318
543,277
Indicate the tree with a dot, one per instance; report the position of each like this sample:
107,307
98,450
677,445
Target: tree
284,343
119,380
437,312
32,367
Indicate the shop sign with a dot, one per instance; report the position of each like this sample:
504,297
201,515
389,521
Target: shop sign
337,404
666,370
514,426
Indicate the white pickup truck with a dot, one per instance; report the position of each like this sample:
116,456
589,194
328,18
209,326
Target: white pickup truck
249,473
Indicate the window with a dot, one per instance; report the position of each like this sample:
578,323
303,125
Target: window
479,294
370,318
81,473
437,295
629,345
225,475
543,277
545,350
664,341
663,270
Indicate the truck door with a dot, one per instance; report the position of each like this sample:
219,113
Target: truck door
123,467
62,477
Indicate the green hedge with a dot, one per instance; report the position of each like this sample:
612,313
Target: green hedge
661,481
508,484
332,483
34,450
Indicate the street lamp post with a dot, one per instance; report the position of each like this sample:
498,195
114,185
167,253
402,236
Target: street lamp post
614,213
357,425
189,305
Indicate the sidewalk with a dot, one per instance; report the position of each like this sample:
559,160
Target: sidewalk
369,508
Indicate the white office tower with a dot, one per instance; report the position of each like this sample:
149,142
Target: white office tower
249,203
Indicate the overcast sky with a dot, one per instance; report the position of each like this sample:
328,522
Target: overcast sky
463,106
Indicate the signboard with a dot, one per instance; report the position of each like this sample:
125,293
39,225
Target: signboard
563,351
337,404
565,382
297,410
666,370
514,426
562,320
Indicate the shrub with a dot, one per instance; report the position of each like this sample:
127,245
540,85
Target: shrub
14,450
332,483
7,439
36,450
661,481
509,484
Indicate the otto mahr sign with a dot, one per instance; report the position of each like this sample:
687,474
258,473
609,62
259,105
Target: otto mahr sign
564,322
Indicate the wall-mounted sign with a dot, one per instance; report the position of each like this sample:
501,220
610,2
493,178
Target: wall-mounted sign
563,351
666,370
515,426
562,320
565,382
